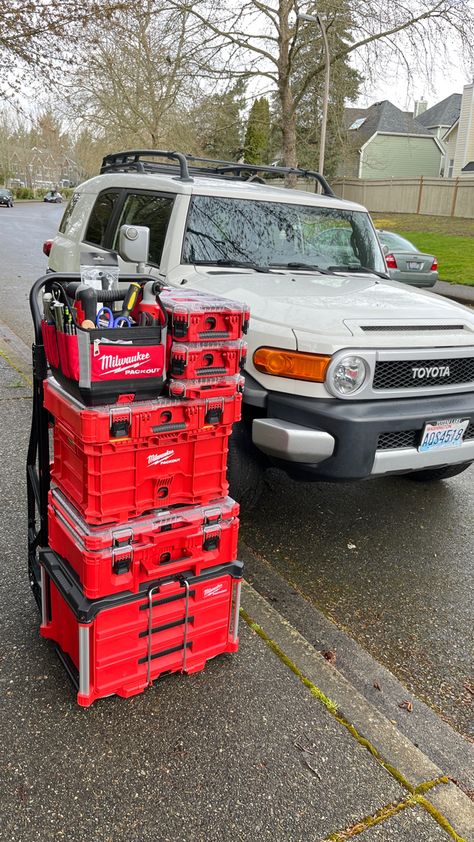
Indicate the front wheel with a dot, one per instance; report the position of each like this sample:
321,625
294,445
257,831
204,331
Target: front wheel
436,474
245,468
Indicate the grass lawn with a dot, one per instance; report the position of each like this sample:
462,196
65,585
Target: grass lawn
450,239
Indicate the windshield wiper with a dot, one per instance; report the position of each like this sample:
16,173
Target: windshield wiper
352,267
300,265
236,264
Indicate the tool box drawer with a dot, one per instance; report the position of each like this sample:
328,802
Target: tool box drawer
124,478
136,420
206,359
112,559
211,387
97,366
195,316
120,645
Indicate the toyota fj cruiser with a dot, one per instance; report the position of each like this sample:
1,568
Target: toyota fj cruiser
349,375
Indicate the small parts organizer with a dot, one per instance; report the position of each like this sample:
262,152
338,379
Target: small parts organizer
132,539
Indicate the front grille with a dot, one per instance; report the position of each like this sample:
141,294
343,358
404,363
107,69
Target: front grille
395,441
410,438
398,374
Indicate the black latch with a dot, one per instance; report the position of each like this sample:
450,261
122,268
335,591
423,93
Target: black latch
180,326
122,565
245,326
120,428
213,415
212,541
178,364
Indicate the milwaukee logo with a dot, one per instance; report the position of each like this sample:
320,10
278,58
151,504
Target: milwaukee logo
214,591
164,458
113,363
425,372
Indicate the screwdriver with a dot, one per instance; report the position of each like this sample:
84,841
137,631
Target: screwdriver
130,298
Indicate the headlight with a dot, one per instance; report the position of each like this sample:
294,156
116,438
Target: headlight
349,375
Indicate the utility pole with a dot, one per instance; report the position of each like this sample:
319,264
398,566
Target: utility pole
327,78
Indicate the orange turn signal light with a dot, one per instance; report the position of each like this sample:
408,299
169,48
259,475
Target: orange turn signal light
292,364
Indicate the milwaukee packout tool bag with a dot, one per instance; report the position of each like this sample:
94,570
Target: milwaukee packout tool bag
118,462
165,542
98,363
121,643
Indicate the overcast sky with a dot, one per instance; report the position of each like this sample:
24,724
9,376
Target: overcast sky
402,92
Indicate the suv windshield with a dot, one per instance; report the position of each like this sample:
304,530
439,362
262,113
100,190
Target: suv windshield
276,234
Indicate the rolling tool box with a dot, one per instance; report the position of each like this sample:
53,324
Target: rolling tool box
111,559
120,644
131,582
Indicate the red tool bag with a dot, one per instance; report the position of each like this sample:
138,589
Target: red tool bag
165,542
120,644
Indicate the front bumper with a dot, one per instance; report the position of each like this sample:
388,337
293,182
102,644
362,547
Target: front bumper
339,440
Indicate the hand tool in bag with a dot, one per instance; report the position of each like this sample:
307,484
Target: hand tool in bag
149,306
105,318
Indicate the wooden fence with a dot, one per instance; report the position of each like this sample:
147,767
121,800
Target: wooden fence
433,196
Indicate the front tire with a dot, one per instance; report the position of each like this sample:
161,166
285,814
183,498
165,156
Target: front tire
245,468
436,474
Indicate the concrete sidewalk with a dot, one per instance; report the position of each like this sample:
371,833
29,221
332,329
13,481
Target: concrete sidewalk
271,743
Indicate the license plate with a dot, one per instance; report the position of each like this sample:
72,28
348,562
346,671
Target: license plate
413,264
440,434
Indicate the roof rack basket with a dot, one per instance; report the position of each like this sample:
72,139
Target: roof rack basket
135,160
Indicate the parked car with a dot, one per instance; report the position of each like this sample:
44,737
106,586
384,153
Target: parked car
6,197
348,374
405,263
53,196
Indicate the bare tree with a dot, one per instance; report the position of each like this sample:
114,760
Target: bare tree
135,83
263,40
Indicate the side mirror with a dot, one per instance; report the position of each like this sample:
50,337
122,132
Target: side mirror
134,242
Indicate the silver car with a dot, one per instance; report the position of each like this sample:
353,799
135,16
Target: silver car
405,263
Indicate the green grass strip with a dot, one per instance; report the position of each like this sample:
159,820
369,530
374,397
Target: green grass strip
415,796
438,817
380,816
12,365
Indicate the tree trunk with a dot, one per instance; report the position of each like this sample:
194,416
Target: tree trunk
288,115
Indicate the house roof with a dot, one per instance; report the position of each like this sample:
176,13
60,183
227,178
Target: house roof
444,113
382,117
469,167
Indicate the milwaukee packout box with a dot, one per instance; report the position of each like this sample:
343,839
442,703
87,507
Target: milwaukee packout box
168,456
112,559
120,644
195,316
224,387
97,366
206,359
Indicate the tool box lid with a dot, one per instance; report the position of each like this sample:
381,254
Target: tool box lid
141,529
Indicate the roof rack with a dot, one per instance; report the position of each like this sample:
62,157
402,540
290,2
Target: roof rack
135,161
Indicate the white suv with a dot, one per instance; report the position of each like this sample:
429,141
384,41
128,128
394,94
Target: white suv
349,374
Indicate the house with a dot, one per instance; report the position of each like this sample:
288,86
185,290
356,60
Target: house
440,117
385,142
458,139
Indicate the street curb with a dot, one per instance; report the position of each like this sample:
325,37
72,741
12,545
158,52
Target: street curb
461,293
400,758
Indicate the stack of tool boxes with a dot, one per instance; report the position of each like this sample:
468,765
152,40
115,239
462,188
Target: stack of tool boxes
140,577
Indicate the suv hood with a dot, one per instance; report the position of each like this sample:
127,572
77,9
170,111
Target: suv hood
334,305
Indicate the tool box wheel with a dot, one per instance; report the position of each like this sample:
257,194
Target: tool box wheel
245,468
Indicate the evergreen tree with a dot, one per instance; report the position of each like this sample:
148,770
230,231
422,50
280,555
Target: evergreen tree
219,123
257,136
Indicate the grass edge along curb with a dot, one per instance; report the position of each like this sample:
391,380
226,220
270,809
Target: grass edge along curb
414,792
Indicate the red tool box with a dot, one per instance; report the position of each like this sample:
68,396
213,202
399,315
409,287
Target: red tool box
195,316
206,359
213,387
120,644
108,560
137,420
118,462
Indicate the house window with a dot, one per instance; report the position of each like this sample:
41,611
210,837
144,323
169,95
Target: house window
357,123
450,168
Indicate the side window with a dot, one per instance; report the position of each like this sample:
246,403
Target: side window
152,211
99,218
68,212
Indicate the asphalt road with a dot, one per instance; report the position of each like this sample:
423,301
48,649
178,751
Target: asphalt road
389,561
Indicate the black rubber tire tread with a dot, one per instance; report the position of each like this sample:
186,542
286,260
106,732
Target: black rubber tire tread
245,468
436,474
